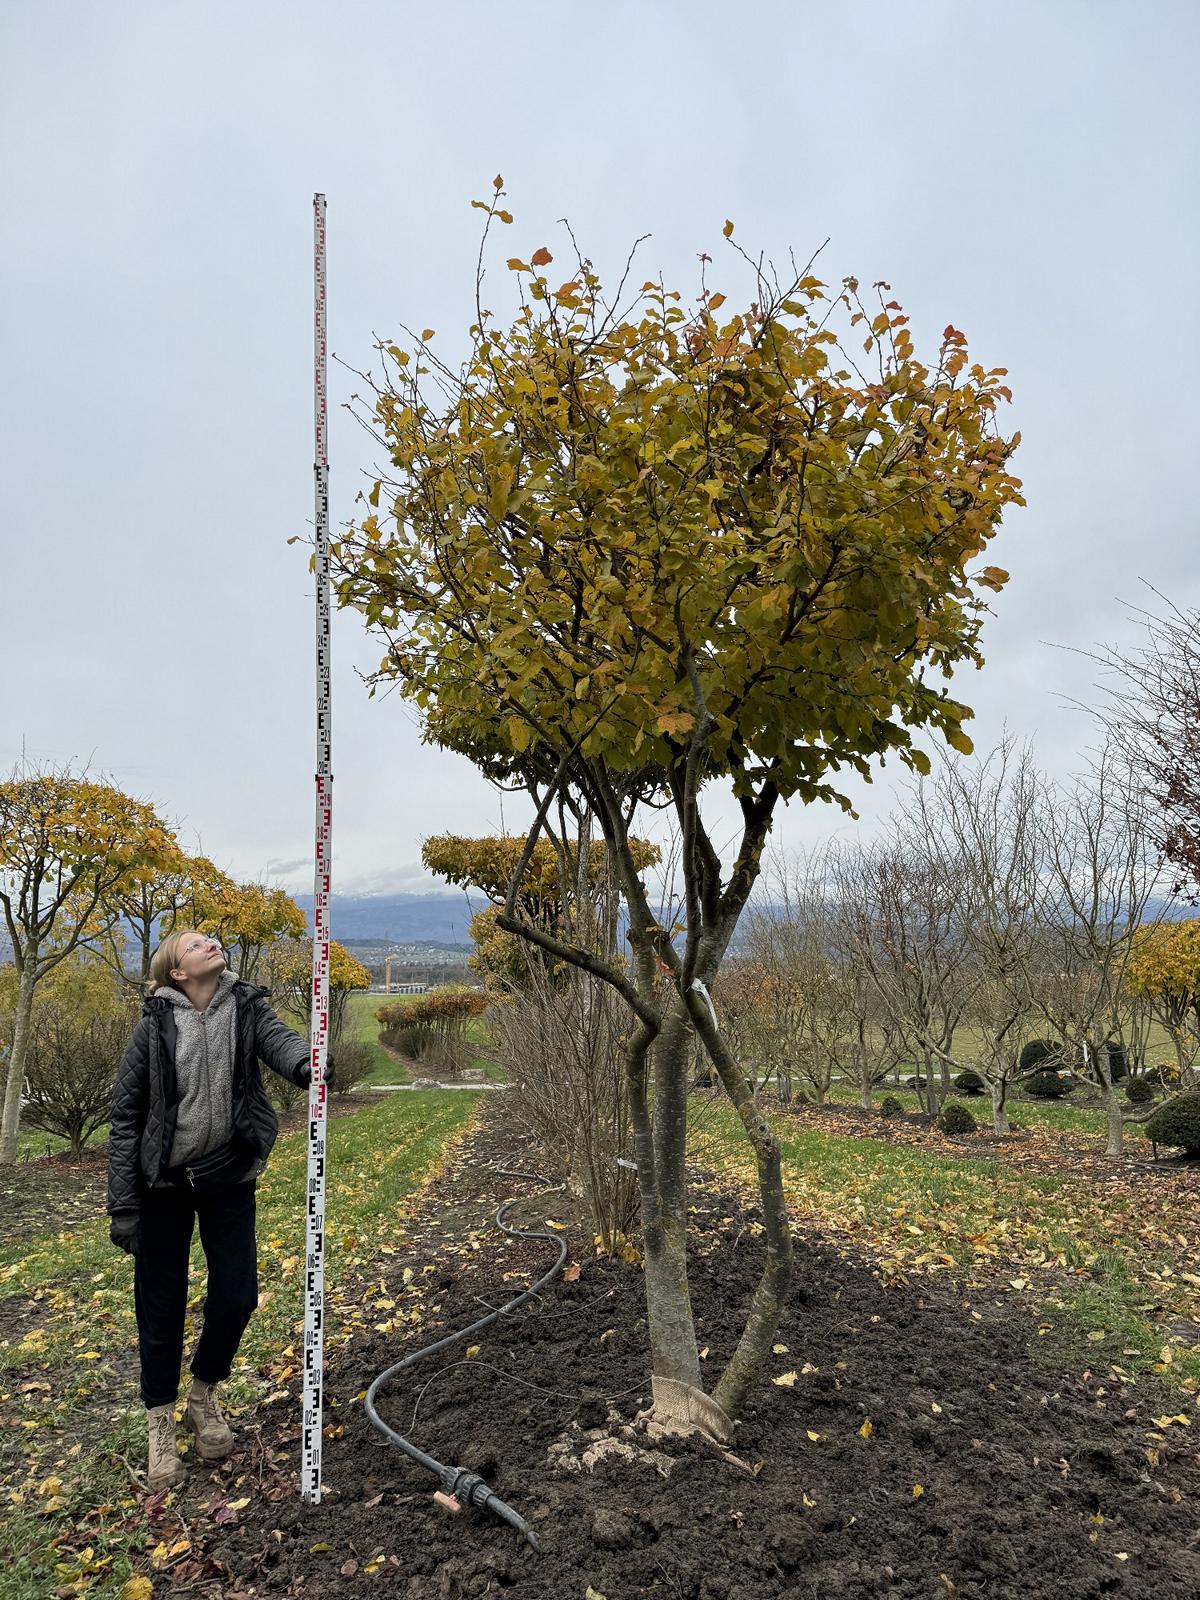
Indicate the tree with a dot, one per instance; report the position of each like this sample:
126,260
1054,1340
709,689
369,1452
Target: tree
629,552
908,903
287,970
985,821
1164,967
1151,710
68,846
567,887
153,908
79,1027
247,917
1100,871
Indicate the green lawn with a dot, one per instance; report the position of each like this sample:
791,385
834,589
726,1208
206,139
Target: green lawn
71,1407
1114,1262
1058,1114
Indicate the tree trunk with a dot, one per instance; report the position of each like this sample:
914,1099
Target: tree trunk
931,1094
766,1305
10,1124
1000,1106
1116,1120
660,1150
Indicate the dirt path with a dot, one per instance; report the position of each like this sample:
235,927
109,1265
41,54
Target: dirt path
980,1476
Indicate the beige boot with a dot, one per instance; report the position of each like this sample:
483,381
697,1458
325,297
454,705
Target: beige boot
166,1469
214,1436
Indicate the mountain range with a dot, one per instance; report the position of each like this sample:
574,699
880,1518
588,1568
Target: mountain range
399,918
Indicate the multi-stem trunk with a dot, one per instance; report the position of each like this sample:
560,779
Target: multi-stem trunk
673,1350
10,1124
766,1306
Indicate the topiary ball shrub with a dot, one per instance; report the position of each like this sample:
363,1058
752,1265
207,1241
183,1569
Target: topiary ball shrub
915,1083
956,1119
1139,1091
1118,1061
1046,1086
1037,1052
889,1106
1177,1122
969,1083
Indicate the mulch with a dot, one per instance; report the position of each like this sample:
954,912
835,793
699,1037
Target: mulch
982,1473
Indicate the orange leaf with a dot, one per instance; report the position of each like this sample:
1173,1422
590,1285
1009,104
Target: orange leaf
728,228
571,1275
497,182
715,301
426,333
542,257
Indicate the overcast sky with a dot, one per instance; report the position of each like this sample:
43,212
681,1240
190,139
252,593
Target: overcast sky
1025,171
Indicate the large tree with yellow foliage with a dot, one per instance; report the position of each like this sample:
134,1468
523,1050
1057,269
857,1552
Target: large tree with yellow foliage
634,549
1164,968
70,850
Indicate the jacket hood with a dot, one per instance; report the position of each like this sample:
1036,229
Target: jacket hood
176,997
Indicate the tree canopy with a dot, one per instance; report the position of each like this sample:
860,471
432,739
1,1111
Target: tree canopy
613,522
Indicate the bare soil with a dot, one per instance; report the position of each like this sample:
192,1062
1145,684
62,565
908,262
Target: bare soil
982,1475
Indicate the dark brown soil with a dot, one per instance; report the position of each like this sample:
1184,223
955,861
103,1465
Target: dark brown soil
1031,1485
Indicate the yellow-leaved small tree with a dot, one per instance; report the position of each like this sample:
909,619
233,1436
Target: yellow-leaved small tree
631,550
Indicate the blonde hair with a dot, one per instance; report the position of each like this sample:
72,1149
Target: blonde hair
163,961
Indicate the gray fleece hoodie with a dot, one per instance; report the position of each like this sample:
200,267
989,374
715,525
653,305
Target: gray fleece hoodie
204,1053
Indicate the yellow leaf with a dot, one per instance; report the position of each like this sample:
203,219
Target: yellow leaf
815,1437
918,1491
727,230
239,1505
426,333
90,1355
866,1430
779,1349
1097,1335
786,1380
472,1350
139,1588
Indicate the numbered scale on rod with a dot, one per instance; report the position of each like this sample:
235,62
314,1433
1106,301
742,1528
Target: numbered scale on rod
314,1252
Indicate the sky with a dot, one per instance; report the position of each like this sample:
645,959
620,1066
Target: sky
1026,171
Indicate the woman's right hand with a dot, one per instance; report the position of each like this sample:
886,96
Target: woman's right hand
125,1231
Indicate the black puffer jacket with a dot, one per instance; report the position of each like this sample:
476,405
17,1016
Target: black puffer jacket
146,1096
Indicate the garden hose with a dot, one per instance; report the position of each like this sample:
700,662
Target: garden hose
468,1487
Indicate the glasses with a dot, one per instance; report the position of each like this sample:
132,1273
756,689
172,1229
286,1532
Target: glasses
198,944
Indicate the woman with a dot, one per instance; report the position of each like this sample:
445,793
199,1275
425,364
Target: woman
192,1128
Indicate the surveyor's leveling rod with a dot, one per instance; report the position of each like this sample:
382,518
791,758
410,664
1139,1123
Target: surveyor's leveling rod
314,1253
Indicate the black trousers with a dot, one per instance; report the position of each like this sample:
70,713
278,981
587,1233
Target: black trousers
160,1283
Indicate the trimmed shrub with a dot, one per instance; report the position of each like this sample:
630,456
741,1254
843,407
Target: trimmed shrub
1139,1091
1037,1053
1118,1061
915,1083
956,1118
969,1083
432,1029
889,1106
1046,1086
353,1063
1177,1122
